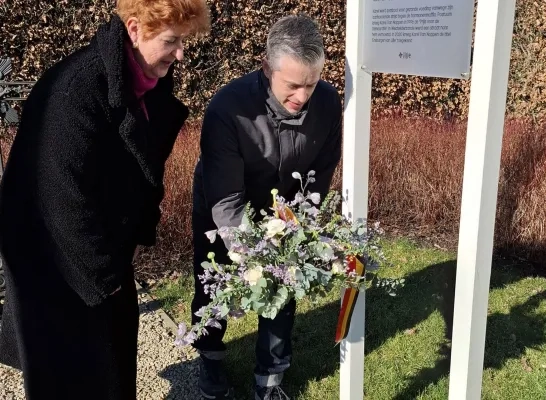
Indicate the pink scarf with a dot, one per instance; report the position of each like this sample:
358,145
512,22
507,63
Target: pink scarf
140,82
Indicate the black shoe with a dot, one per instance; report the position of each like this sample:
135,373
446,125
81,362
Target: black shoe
213,382
270,393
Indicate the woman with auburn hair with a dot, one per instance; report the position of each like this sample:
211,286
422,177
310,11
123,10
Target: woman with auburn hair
80,192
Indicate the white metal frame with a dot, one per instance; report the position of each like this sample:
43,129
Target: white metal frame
356,144
482,164
493,42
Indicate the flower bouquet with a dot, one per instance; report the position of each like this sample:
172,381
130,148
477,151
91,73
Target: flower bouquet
304,248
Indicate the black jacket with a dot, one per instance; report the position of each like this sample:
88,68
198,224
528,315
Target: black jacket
81,188
250,144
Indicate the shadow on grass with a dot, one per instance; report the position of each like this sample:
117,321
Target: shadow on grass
507,336
426,291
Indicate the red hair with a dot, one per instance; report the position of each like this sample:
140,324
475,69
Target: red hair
156,15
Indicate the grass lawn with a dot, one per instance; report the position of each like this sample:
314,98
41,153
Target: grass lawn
405,335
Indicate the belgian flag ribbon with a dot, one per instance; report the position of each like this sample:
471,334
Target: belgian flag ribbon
349,301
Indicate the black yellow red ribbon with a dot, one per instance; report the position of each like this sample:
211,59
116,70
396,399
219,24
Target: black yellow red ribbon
349,300
351,295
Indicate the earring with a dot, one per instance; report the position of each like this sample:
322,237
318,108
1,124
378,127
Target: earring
135,45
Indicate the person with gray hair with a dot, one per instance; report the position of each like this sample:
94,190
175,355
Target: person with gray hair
257,131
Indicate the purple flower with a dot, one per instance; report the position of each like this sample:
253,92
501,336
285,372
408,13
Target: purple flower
186,340
280,273
206,276
191,337
216,312
200,312
274,270
291,226
226,233
182,329
297,199
281,200
241,271
260,248
239,248
213,323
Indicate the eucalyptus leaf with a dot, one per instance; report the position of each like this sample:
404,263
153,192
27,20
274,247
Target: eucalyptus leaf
273,313
283,291
224,311
299,293
256,289
257,305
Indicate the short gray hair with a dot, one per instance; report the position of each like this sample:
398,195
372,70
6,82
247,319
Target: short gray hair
297,36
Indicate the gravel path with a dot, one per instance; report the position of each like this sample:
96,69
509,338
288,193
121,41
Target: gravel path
162,374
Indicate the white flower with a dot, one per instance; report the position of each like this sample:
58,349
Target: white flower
244,228
253,275
237,258
314,197
338,267
211,235
313,211
292,272
274,227
299,198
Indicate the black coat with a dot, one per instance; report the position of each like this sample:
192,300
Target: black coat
250,144
81,188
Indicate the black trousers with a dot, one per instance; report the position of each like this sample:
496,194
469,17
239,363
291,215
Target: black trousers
274,345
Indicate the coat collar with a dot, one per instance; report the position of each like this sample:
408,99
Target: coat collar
110,38
134,129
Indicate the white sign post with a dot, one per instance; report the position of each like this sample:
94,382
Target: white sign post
432,38
493,40
356,145
365,55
